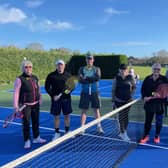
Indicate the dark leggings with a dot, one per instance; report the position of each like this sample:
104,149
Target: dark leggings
148,122
123,116
31,112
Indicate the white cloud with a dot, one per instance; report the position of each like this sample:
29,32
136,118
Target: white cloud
11,14
46,25
112,11
131,43
34,3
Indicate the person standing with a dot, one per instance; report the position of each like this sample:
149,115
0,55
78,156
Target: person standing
122,92
152,106
134,75
27,92
54,85
89,77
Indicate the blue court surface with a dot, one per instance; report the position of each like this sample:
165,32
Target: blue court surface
148,155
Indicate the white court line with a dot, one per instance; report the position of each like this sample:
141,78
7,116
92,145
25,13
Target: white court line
140,122
96,136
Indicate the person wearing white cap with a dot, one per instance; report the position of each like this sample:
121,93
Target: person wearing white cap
54,85
152,106
27,92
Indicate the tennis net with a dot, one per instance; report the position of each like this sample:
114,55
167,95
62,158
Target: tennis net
83,150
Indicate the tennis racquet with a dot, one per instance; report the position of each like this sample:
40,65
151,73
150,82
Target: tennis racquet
13,116
70,85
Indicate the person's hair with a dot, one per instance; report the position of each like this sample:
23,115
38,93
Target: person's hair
156,65
24,63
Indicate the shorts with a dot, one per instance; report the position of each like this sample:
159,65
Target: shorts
85,100
63,105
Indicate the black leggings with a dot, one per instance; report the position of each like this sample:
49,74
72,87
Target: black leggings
148,122
123,116
150,111
31,112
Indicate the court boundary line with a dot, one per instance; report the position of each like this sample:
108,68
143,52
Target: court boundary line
45,111
97,136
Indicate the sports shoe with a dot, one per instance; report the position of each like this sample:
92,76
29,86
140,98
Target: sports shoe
144,139
39,140
27,144
157,139
56,136
124,136
100,130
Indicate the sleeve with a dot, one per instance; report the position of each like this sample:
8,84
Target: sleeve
143,88
48,86
81,78
17,86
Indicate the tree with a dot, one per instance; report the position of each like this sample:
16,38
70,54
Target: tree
35,46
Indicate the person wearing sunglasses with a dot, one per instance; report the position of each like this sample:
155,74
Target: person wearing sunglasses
152,106
27,92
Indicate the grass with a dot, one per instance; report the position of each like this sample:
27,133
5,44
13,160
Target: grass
144,71
136,112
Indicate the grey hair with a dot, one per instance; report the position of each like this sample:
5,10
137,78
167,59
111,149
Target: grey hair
24,63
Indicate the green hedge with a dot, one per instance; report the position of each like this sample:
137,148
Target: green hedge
109,64
44,62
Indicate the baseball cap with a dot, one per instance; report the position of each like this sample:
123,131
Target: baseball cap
123,66
89,56
59,62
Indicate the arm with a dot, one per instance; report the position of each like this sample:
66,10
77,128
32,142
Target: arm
17,86
48,86
96,76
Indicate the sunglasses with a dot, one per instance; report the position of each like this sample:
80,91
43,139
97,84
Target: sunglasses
156,69
26,67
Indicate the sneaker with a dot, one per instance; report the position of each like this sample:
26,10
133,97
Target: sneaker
157,139
124,136
100,130
144,139
39,140
27,144
56,136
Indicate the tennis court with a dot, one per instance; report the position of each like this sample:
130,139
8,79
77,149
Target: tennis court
109,145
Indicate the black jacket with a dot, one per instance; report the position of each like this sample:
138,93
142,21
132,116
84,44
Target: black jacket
55,84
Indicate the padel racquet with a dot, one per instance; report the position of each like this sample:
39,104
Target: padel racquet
13,116
162,91
70,85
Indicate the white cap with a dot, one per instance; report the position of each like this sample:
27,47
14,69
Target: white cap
60,62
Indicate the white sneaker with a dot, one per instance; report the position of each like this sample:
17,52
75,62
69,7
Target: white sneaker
100,130
27,144
39,140
56,136
124,136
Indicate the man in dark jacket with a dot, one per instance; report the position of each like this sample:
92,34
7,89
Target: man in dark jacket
54,85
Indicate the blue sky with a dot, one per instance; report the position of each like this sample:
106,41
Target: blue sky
132,27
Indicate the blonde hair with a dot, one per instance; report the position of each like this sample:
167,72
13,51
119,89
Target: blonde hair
25,63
